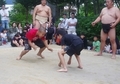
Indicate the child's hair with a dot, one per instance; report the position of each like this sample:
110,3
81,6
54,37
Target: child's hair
3,30
16,35
61,32
42,29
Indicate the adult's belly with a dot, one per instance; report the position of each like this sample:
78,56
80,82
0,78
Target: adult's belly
42,14
107,19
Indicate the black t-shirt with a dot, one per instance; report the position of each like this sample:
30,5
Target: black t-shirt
71,40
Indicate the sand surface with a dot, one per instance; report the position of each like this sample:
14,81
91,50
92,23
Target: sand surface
34,70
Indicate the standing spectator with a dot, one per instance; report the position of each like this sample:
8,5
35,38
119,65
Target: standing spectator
19,28
12,30
61,24
96,44
4,17
65,22
82,36
49,34
1,26
72,25
4,36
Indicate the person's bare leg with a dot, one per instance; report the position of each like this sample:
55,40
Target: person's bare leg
62,60
60,64
79,61
40,52
21,42
15,42
112,36
22,54
102,45
69,61
37,24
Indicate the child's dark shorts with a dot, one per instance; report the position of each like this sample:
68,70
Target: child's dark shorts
74,50
38,42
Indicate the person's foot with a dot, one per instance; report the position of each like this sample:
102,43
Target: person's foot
40,56
99,54
19,58
80,67
69,62
113,57
62,70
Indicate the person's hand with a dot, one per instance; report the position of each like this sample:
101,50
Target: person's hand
93,24
49,24
112,25
50,49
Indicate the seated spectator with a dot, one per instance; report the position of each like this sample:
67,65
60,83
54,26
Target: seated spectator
12,30
82,36
23,33
27,26
4,36
19,28
108,46
96,44
17,41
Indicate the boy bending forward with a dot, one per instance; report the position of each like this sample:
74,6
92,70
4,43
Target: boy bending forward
34,38
74,46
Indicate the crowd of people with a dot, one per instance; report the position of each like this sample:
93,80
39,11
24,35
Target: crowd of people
42,32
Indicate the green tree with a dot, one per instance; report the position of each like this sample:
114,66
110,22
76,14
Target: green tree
18,14
28,4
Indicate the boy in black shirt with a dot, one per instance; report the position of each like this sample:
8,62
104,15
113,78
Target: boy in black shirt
74,46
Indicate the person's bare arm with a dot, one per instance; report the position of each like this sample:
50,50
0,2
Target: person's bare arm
50,16
34,13
118,18
98,19
46,44
32,45
74,24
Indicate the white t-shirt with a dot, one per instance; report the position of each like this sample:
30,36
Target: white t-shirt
4,12
65,23
61,25
3,35
107,48
72,21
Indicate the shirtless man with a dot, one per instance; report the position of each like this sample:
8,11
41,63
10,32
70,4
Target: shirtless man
41,15
109,17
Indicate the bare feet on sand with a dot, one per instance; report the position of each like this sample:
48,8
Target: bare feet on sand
18,58
40,56
80,67
62,70
99,54
113,57
69,62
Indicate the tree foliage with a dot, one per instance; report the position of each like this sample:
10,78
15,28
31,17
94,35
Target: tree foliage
2,2
18,14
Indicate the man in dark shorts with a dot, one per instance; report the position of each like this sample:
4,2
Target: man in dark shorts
74,47
109,17
34,38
